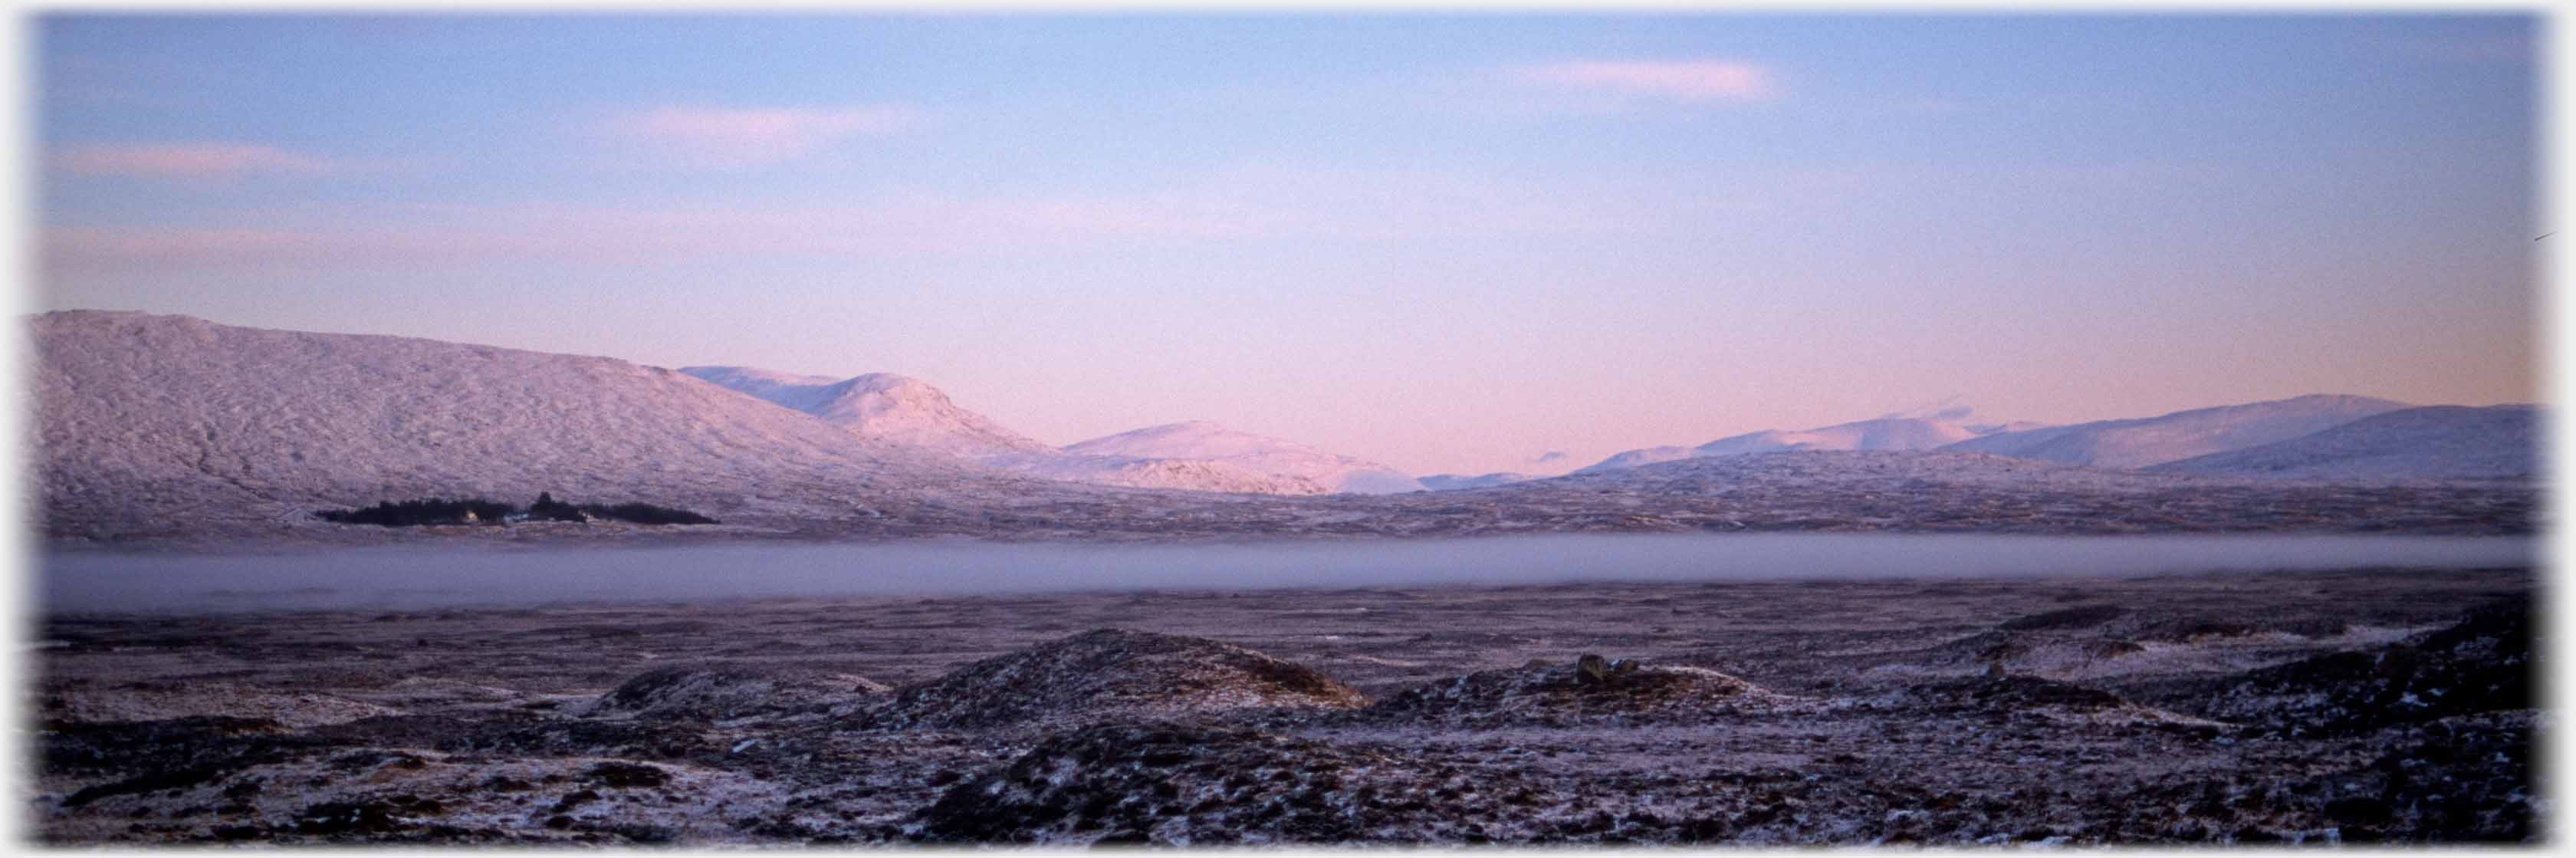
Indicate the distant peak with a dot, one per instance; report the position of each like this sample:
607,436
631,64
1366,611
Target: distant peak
1185,426
885,381
1945,410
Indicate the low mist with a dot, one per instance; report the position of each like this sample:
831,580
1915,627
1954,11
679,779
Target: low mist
394,578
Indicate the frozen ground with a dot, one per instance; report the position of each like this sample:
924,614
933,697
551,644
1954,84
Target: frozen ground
2322,705
1911,492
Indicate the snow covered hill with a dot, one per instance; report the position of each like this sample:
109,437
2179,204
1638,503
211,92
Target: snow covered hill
144,422
882,405
1886,433
1205,441
2435,442
2140,442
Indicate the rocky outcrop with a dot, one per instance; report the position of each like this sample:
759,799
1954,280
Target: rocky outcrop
1592,690
1111,673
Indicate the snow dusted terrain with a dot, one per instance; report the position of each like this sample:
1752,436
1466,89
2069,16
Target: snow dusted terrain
2354,706
175,430
2436,442
1205,441
2145,441
1203,475
167,424
1886,433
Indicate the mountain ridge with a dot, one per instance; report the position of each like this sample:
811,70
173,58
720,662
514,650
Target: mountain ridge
2430,442
2142,441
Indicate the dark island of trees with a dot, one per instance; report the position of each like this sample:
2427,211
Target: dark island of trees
485,511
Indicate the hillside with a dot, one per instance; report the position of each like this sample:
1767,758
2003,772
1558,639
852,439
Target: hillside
2436,442
151,424
2137,443
1196,475
1952,491
1886,433
1206,441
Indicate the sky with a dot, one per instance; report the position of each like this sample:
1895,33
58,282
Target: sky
1450,244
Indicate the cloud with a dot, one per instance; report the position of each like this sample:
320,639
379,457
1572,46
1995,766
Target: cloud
754,137
1243,204
1944,409
2463,48
1679,80
188,161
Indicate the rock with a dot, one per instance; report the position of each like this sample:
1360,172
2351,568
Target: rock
1110,673
1552,696
719,691
2481,664
1199,785
1593,669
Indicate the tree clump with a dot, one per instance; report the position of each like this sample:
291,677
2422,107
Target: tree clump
412,513
438,511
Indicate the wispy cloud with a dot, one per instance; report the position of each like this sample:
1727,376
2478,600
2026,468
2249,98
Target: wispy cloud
726,137
201,161
2498,47
1252,203
1678,80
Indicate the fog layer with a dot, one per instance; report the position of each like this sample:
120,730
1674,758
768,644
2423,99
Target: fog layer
412,579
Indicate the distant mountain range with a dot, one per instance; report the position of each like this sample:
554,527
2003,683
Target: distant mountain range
2295,437
2145,441
1205,441
170,425
1890,433
2433,442
1195,455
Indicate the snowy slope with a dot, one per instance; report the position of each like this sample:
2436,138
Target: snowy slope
1198,475
1886,433
801,392
2180,435
1205,441
1636,458
142,420
1451,482
2436,442
882,405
